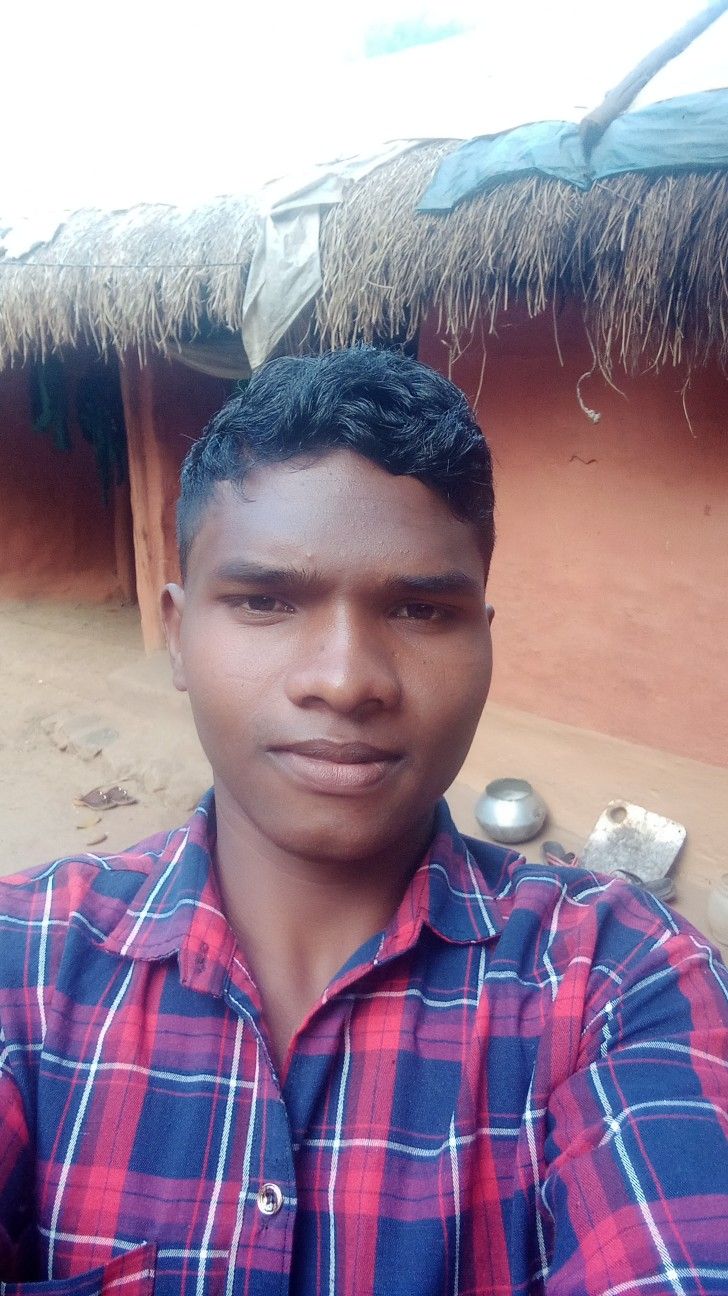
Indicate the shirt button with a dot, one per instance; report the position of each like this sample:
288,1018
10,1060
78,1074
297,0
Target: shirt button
270,1199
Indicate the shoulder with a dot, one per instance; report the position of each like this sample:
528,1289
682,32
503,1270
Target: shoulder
569,897
71,873
553,916
39,905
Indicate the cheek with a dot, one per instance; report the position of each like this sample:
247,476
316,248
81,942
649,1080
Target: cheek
224,672
452,697
467,694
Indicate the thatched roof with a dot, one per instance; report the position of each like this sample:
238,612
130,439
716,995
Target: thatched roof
141,278
647,256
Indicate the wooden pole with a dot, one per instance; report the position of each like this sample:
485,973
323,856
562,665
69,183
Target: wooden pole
618,100
147,489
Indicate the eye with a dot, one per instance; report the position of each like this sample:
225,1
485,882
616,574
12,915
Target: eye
421,612
258,604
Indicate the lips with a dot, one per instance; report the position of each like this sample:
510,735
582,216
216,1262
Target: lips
341,753
335,769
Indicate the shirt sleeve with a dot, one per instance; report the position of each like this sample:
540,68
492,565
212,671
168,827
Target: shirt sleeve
15,1178
636,1190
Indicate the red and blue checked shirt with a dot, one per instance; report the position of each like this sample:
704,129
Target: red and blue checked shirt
519,1086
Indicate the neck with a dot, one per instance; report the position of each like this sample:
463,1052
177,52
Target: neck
297,919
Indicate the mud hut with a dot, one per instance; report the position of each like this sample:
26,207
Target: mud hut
121,304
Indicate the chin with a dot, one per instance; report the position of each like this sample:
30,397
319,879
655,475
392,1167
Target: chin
330,843
338,833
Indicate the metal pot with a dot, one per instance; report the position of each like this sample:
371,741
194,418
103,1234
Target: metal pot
510,811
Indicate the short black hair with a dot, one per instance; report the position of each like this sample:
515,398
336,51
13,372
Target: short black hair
381,404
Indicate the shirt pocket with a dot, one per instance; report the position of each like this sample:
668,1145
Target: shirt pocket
128,1275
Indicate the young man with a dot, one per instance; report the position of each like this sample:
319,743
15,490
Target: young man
315,1041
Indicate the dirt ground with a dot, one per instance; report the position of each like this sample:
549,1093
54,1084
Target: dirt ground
83,707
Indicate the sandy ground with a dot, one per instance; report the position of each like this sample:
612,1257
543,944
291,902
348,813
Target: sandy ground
75,679
83,707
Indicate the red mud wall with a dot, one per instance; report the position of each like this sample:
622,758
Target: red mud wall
610,578
57,538
57,535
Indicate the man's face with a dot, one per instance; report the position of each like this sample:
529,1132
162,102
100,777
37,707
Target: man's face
334,639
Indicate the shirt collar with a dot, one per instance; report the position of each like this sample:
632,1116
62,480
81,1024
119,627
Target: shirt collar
178,909
450,892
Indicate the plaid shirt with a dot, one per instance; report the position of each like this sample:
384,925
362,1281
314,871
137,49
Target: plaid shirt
516,1087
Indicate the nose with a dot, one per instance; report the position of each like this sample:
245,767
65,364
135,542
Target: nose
345,664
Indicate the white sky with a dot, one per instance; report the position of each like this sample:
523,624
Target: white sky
168,100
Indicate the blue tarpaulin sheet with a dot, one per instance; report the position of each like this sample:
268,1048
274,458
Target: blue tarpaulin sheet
680,134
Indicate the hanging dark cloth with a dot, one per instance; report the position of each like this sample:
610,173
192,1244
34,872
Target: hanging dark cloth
100,414
98,409
49,401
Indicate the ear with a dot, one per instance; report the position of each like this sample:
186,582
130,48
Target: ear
173,602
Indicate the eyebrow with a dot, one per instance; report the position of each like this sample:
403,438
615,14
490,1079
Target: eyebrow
252,573
451,582
455,582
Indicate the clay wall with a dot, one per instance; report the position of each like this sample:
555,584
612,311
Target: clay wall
58,536
610,579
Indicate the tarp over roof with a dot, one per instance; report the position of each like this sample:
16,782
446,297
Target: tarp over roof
684,134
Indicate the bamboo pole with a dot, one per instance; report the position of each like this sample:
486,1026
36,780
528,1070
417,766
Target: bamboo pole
618,100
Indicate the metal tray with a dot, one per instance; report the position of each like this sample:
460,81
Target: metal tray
628,838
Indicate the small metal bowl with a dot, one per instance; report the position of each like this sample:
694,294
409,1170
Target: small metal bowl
510,811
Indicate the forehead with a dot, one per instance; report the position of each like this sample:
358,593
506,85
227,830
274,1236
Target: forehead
339,513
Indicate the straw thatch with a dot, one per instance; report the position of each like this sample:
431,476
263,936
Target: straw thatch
385,265
652,260
140,278
647,256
